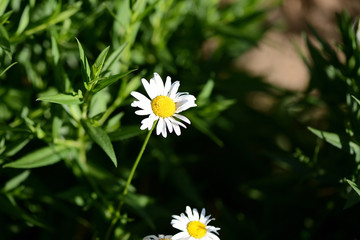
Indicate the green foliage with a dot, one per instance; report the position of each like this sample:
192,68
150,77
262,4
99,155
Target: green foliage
68,136
334,75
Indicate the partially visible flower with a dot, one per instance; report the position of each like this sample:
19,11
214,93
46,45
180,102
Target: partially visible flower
160,237
165,104
194,226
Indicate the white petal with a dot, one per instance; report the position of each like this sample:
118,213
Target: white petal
164,133
149,88
196,214
139,96
167,86
180,235
177,129
148,122
212,236
143,112
159,83
177,217
159,126
202,215
183,118
173,89
189,213
142,105
169,125
184,106
182,96
212,229
176,122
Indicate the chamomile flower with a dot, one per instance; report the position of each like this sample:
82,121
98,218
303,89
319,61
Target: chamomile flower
164,105
194,226
160,237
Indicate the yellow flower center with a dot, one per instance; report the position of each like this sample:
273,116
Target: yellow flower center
196,229
163,106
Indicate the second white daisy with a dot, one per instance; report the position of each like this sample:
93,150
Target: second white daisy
160,237
165,104
194,226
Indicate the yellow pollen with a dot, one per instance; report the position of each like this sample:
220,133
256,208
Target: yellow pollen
163,106
196,229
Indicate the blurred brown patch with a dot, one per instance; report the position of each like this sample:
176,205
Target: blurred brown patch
275,58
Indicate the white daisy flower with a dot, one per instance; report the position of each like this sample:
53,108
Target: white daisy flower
160,237
194,226
165,104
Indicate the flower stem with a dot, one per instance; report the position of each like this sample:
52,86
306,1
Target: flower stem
128,182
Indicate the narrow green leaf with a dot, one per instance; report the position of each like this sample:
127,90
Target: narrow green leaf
146,11
7,68
41,157
4,39
205,93
114,57
339,142
204,127
5,128
85,68
99,136
354,186
125,132
62,99
9,206
3,6
15,146
54,19
24,20
97,66
329,137
357,100
107,81
16,181
5,17
55,50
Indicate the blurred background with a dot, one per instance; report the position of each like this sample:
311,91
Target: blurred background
248,157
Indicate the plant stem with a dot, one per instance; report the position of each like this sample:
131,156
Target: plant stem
128,182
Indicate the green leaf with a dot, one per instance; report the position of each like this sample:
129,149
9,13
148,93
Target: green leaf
15,146
85,68
204,127
6,128
3,6
52,20
4,40
339,142
329,137
24,20
41,157
125,132
5,17
107,81
205,93
114,57
7,68
9,206
146,11
62,99
101,138
354,186
97,66
357,100
16,181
